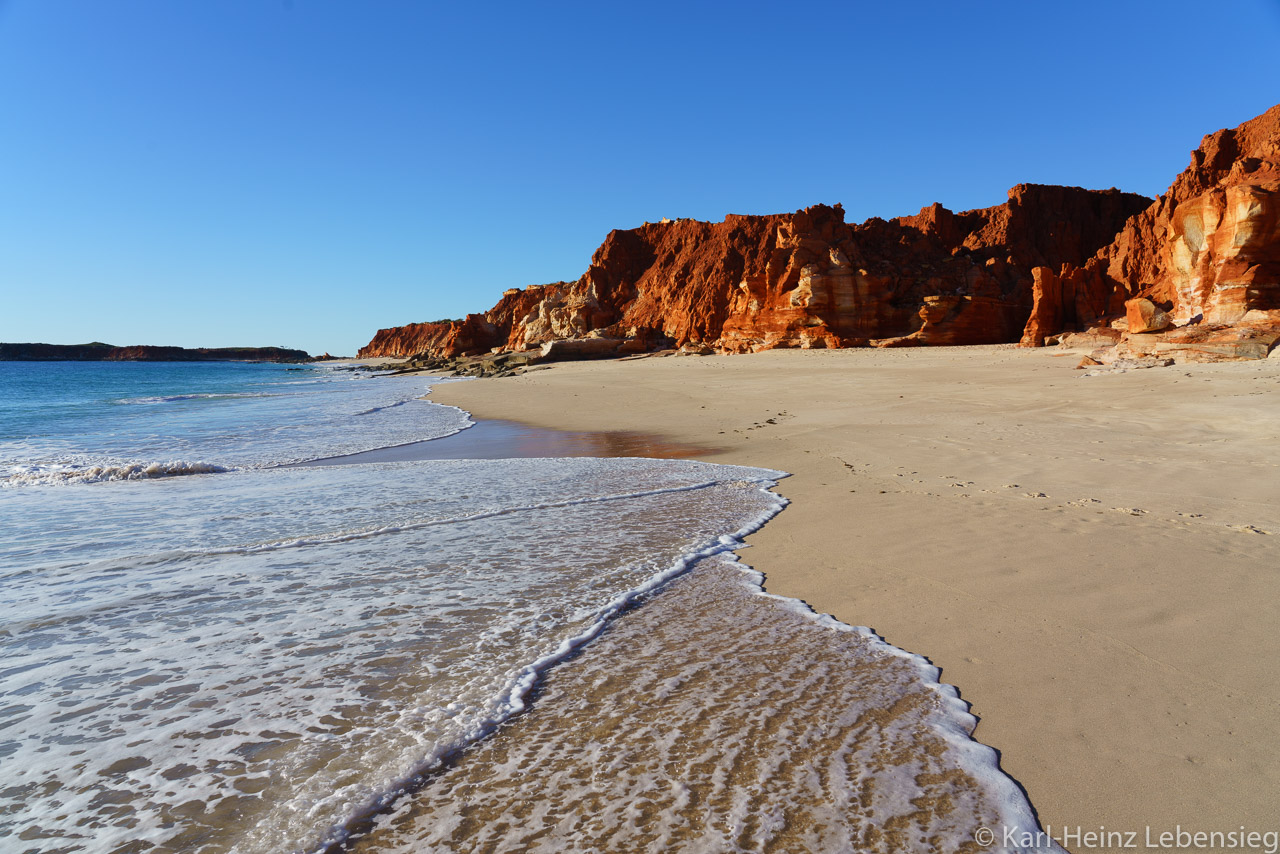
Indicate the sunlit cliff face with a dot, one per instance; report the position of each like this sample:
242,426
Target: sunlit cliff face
1224,255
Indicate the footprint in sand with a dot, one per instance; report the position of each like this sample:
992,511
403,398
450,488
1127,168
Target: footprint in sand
1248,529
1132,511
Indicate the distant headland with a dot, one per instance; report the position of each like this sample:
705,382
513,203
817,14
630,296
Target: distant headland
99,352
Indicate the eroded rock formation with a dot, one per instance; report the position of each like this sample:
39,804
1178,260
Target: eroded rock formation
1047,261
1210,246
1204,254
806,279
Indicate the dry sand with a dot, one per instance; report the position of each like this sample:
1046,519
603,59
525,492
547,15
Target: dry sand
1093,561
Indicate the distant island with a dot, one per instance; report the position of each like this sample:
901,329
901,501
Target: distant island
99,352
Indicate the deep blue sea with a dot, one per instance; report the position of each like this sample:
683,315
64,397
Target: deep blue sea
203,649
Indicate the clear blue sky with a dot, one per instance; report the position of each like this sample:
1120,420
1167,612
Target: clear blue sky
259,172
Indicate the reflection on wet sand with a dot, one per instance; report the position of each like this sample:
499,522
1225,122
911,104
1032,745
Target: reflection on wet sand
500,440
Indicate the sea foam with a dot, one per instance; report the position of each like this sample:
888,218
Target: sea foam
305,650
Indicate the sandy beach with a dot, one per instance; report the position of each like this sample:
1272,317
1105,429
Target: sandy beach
1091,560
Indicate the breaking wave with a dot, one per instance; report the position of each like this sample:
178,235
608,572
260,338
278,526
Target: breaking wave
50,475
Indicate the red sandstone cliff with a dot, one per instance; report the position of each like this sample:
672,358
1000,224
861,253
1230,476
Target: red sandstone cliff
806,279
1050,259
1205,252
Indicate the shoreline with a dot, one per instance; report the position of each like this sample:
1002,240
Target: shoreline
499,439
531,677
950,499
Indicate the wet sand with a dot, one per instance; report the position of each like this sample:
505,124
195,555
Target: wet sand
1090,560
715,719
496,439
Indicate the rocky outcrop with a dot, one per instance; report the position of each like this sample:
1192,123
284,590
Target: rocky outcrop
1197,274
1049,260
1215,343
1210,246
1142,315
806,279
1074,298
1219,342
99,352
